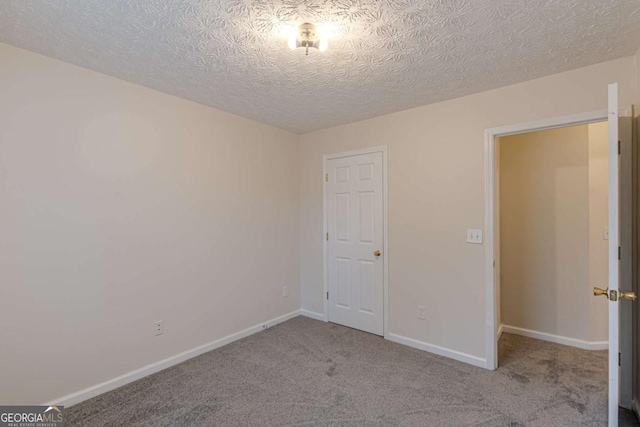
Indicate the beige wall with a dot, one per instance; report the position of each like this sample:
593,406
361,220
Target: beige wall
553,210
122,206
436,192
598,220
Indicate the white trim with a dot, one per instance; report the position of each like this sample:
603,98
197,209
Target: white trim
491,302
558,339
614,255
382,148
129,377
325,230
440,351
385,246
312,314
385,265
636,407
500,331
552,123
490,135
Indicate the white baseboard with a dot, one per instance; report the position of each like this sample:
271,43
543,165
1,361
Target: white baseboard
112,384
312,314
441,351
585,345
93,391
636,408
431,348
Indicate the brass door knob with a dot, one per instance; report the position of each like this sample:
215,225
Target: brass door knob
377,253
601,292
631,296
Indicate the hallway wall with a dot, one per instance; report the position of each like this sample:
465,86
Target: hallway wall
553,211
598,220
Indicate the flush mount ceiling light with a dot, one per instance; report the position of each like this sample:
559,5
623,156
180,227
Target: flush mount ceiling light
306,36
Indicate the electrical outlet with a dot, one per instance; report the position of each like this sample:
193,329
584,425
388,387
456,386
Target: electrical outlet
474,236
422,312
159,327
285,291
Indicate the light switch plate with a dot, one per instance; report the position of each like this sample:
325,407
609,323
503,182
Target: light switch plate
605,233
474,236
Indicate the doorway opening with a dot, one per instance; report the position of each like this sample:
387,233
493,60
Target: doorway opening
552,250
552,227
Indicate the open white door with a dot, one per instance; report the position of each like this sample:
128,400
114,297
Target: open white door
614,268
615,294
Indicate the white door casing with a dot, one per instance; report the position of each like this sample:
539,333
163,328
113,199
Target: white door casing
355,231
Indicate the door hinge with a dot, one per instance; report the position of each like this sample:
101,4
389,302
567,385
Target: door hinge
326,177
619,359
327,295
327,237
619,253
619,148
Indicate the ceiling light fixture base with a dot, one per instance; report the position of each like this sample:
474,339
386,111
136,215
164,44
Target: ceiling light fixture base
306,37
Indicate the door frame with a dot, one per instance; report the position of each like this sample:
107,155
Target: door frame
490,135
385,232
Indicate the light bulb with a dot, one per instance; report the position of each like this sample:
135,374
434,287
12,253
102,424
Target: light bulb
292,43
287,30
324,44
325,31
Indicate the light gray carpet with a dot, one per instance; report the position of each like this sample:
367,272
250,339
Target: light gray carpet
310,373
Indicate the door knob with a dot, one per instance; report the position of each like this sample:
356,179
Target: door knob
631,296
601,292
377,253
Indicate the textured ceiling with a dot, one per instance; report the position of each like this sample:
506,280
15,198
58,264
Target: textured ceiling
384,56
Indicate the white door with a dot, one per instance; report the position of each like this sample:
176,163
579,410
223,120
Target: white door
614,235
614,294
355,241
